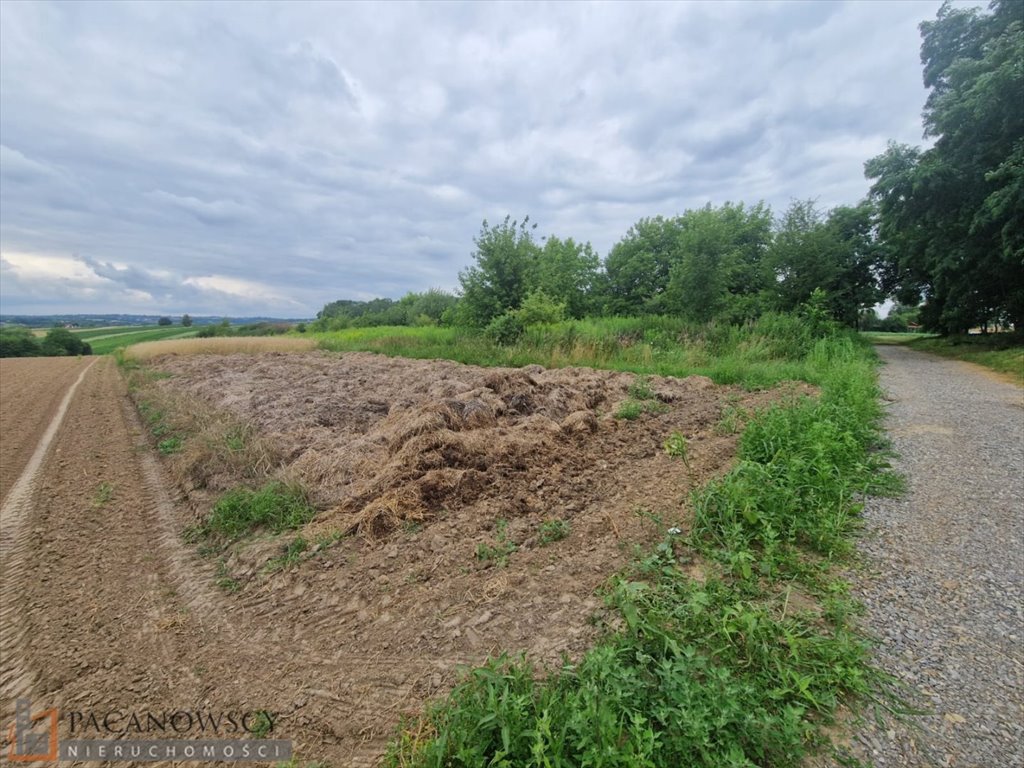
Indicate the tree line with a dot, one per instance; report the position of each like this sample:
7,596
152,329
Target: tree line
941,231
731,263
952,216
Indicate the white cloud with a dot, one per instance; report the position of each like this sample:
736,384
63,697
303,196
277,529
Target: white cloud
294,154
234,286
42,267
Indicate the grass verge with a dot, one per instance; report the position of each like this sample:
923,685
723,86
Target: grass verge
724,670
762,354
204,447
1003,352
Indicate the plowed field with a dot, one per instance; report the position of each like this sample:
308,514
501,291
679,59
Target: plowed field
418,467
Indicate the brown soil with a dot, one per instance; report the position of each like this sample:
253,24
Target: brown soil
30,389
104,606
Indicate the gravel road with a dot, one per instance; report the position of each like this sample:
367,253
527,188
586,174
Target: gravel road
945,577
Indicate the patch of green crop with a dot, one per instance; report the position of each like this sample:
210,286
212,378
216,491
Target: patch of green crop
552,530
498,551
111,340
275,507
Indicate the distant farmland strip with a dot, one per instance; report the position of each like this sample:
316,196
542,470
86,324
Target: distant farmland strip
106,344
94,334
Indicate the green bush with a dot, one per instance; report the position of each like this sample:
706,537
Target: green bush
61,341
540,309
18,342
505,329
276,506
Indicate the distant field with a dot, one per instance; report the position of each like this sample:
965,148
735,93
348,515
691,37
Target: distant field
105,340
228,345
89,334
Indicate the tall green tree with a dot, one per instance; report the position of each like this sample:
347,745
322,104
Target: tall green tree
720,270
859,256
836,253
638,266
803,255
428,306
567,272
953,215
504,271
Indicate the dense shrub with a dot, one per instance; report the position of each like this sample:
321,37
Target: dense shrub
18,342
505,329
58,342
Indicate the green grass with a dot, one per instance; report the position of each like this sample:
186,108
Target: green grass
262,726
225,580
772,350
641,400
500,550
275,507
720,672
634,409
803,467
888,337
552,530
169,445
111,339
293,552
1000,352
104,493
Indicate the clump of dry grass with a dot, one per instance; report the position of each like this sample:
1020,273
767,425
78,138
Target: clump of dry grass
218,345
220,449
215,451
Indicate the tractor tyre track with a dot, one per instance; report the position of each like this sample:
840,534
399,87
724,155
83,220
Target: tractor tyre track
15,542
30,389
103,607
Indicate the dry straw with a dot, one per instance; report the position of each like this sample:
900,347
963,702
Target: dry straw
223,345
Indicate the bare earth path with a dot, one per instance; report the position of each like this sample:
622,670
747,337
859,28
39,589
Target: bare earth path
947,564
30,389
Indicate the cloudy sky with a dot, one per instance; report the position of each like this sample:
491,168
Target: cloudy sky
228,158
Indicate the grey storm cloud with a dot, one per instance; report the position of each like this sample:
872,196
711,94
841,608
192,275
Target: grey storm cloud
267,158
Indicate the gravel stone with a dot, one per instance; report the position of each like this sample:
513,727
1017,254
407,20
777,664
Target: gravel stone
944,583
